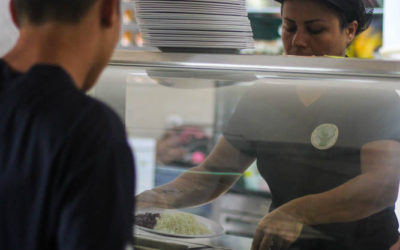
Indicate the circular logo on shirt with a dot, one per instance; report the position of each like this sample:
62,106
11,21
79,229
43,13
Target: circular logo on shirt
325,136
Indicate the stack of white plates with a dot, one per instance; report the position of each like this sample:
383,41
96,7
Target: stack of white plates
219,24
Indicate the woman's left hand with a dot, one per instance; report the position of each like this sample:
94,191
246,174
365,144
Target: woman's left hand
277,229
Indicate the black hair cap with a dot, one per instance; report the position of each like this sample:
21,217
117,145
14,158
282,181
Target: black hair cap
350,10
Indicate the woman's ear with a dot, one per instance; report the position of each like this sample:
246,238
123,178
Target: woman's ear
351,31
13,12
109,8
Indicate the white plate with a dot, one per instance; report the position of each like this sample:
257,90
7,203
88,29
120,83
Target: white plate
214,1
177,27
200,44
156,2
191,39
184,7
200,33
189,4
191,11
215,228
185,16
197,38
187,21
244,37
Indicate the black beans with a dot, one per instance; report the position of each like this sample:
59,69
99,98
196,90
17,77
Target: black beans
148,220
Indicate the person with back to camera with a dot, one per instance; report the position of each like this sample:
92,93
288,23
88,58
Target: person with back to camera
66,170
330,156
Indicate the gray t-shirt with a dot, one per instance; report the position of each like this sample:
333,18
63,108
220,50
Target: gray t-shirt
307,150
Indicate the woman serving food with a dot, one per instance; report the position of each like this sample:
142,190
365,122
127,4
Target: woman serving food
330,155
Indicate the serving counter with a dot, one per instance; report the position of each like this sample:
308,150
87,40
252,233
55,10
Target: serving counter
177,106
145,240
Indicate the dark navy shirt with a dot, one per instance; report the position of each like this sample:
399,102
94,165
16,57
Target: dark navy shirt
66,170
271,124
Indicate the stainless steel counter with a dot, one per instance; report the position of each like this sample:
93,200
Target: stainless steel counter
145,240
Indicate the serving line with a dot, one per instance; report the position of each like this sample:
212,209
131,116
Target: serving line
224,242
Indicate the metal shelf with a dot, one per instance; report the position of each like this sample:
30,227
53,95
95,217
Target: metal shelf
319,67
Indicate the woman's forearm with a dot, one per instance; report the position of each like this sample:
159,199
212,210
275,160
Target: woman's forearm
193,188
358,198
201,184
372,191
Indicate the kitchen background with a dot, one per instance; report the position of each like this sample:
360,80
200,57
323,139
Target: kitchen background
264,16
195,118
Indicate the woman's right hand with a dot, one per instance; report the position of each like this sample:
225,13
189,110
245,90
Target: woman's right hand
278,229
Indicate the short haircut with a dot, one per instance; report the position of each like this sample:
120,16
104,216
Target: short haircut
348,11
41,11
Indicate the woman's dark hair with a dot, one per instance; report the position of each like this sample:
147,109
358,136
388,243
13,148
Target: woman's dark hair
40,11
349,11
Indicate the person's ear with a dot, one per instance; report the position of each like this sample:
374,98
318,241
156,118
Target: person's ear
109,8
351,31
13,12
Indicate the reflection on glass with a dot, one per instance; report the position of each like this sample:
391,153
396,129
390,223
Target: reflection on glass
329,155
328,149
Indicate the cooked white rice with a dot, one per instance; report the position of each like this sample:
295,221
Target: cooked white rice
180,223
